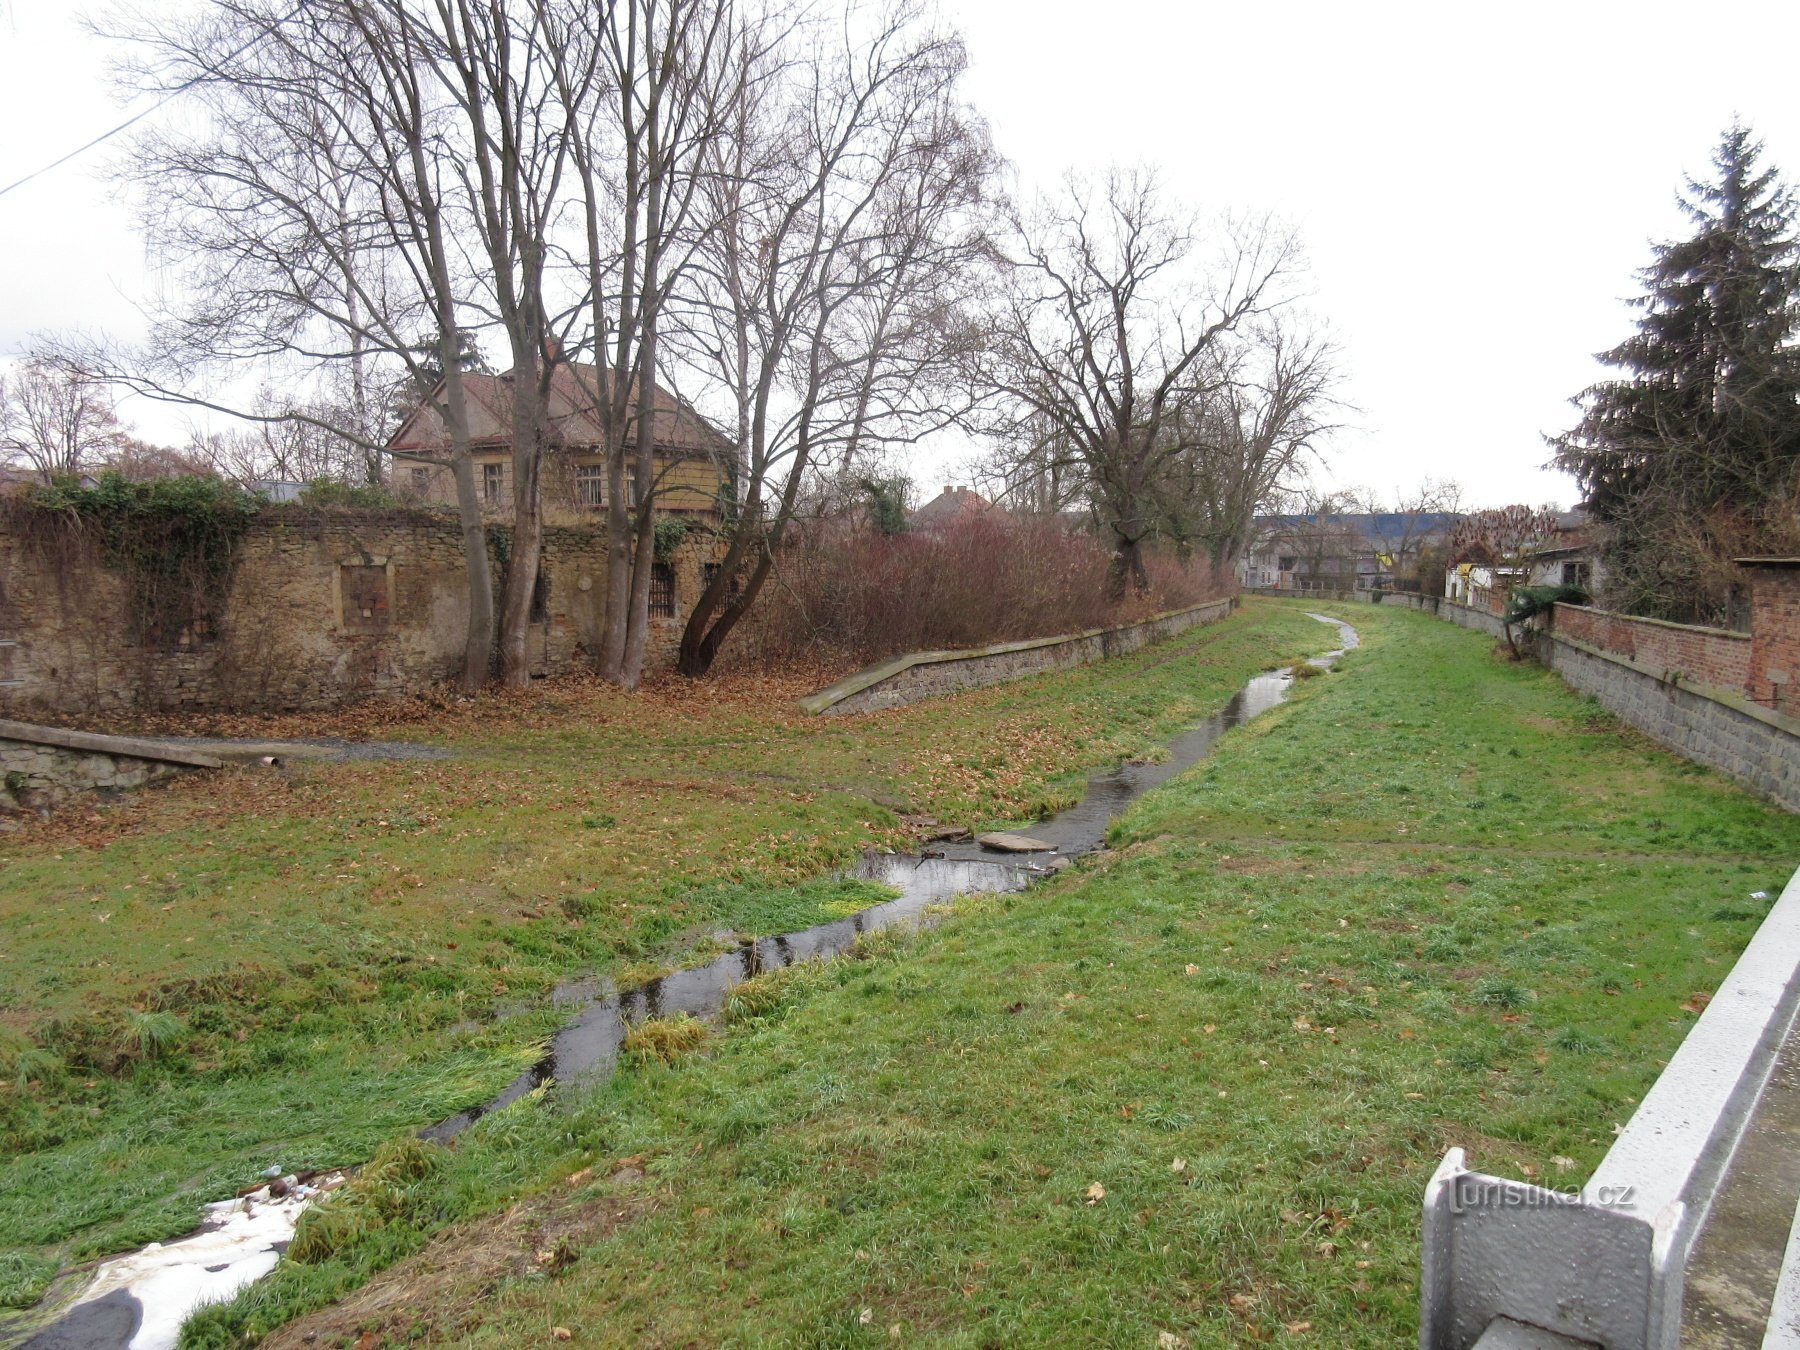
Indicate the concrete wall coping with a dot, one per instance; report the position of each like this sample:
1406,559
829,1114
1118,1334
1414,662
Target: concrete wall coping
132,746
1656,623
1726,697
869,676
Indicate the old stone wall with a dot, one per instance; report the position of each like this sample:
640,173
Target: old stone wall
907,679
1709,726
321,609
1705,720
1462,615
1710,656
42,767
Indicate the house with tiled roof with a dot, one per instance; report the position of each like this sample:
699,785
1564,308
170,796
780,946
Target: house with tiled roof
693,459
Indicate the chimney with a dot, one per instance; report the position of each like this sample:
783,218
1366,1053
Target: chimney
949,489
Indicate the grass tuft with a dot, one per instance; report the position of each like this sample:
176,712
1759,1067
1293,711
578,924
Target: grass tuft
1497,991
150,1035
24,1276
662,1040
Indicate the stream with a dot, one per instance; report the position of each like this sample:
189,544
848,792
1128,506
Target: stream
139,1300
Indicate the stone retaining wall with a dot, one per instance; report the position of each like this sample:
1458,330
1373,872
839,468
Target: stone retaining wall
322,608
1462,615
920,675
42,767
1713,727
1718,727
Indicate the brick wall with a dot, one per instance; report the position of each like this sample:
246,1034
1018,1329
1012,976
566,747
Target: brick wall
1720,730
1774,669
1710,656
321,609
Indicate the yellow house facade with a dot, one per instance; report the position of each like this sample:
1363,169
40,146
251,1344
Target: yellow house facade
692,460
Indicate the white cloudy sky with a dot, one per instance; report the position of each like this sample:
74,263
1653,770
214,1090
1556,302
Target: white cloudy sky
1475,184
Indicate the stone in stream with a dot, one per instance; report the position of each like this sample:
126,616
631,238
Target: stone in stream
1002,842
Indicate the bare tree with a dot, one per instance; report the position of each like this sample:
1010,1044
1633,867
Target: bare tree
1400,523
307,210
1109,342
56,419
649,87
1504,539
823,309
1253,436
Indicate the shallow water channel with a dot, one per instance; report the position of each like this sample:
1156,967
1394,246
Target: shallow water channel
121,1309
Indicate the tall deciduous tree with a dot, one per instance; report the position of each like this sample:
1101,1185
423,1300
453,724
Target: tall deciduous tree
1110,341
823,308
313,213
56,419
1700,434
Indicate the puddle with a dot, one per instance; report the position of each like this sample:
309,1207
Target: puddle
138,1304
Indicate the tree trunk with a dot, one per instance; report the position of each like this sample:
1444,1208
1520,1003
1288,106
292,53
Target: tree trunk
478,648
1127,571
527,532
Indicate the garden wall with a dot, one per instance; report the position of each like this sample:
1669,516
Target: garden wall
319,608
1705,693
920,675
1712,656
41,767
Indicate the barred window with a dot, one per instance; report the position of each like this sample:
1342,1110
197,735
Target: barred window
710,570
662,591
590,485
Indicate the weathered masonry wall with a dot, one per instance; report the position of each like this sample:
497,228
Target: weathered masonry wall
320,609
907,679
1709,726
1691,689
41,767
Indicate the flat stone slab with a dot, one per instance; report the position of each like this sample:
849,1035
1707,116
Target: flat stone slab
134,747
1002,842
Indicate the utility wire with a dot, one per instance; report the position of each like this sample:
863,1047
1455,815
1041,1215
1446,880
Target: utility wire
135,118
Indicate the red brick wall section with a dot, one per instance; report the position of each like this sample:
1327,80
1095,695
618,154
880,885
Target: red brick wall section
1709,656
1774,677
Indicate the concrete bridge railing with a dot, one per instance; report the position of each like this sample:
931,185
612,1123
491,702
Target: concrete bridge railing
1510,1264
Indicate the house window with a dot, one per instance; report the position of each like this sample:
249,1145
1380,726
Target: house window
1575,574
590,485
493,483
662,591
365,592
421,481
631,487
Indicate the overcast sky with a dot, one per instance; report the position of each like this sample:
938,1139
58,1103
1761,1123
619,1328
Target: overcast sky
1475,185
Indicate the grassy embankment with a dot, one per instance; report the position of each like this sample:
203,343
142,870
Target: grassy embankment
1188,1093
293,967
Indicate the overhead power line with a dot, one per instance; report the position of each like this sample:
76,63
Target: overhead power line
135,118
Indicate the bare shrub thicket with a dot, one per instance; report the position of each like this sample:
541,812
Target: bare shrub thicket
846,597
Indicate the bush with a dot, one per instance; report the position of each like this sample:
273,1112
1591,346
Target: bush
323,492
853,596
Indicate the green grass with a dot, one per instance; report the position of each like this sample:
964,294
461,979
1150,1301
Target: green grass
293,968
1192,1088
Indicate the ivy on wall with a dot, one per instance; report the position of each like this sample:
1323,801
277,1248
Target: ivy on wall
174,540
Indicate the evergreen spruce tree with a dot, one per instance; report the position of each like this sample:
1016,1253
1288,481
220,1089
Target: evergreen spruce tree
1691,455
